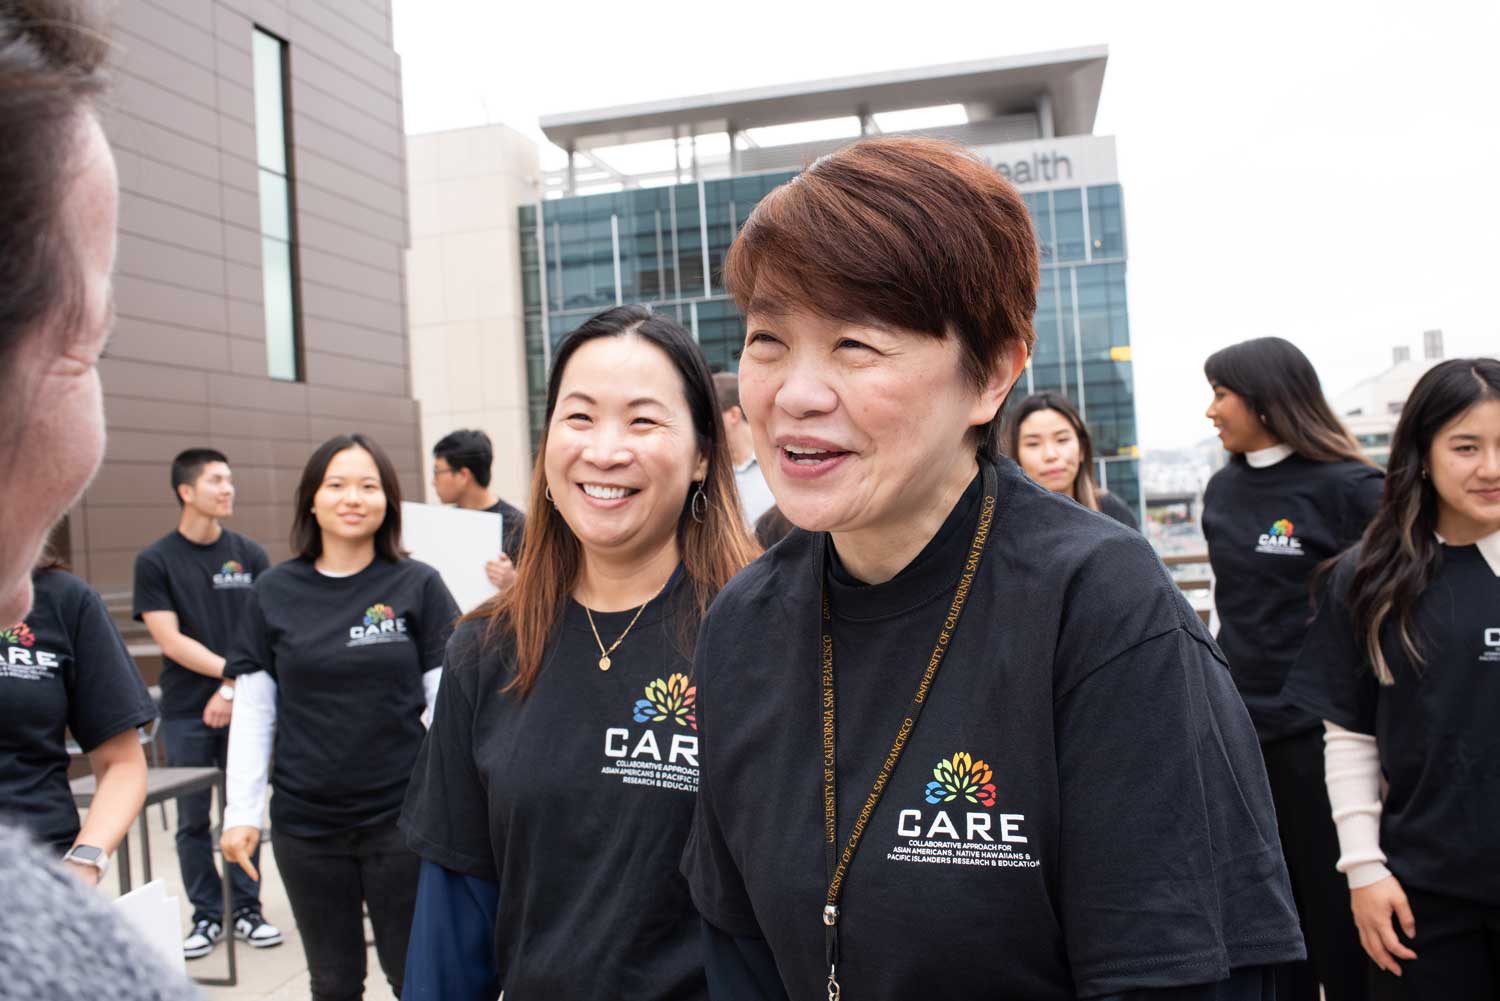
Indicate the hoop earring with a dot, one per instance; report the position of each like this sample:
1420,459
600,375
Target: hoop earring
548,492
699,507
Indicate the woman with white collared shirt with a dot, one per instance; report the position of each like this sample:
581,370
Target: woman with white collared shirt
1403,665
1296,493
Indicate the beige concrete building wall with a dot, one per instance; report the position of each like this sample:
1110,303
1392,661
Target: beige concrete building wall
464,291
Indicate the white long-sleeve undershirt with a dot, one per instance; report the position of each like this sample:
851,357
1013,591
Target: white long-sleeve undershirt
252,730
1351,770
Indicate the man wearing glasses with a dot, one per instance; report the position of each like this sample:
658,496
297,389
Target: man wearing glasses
461,464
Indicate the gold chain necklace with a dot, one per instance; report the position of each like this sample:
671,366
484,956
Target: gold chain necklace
604,661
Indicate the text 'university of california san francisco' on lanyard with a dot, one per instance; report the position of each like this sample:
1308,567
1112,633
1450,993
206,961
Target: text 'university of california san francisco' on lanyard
838,862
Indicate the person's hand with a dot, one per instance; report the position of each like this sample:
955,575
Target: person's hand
89,875
238,845
1373,907
501,572
216,713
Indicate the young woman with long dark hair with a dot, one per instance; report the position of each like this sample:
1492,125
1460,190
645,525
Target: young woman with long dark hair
1403,665
1296,493
554,793
1046,435
338,656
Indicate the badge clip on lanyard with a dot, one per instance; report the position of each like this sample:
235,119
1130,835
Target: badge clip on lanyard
838,862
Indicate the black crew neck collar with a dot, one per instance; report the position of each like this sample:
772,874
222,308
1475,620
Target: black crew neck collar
204,546
930,575
310,568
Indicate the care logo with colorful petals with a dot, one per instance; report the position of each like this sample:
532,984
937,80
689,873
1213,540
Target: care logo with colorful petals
232,577
19,635
1280,540
961,777
673,699
381,625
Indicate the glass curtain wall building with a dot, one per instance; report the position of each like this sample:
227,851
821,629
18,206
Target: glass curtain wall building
664,246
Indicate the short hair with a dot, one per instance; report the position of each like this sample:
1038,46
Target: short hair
52,54
188,466
467,449
727,389
307,536
911,233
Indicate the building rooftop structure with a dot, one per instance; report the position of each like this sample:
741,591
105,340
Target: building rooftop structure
1042,95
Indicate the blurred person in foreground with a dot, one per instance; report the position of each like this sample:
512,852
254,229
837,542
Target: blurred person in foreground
1047,436
961,736
1402,665
58,209
461,466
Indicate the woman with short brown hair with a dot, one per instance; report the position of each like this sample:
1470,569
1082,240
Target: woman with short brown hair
962,738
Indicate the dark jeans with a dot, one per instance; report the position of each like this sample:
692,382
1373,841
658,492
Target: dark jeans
1310,843
191,743
326,880
1458,952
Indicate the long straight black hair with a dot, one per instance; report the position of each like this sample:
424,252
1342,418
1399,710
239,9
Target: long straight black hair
1399,553
307,536
1281,387
1085,490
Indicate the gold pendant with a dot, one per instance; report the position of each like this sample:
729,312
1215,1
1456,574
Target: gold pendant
604,663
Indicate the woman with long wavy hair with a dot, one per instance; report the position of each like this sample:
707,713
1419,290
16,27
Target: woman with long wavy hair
554,793
1296,493
1403,665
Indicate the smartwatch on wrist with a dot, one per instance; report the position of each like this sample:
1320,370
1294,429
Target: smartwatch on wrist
226,692
90,856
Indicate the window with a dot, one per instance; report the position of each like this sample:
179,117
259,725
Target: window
277,226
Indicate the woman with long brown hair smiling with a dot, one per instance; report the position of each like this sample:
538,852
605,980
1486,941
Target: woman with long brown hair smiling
1296,493
555,790
962,737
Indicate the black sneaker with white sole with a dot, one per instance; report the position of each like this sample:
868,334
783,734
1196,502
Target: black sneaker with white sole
202,939
255,931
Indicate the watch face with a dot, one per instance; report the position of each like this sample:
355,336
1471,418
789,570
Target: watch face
86,853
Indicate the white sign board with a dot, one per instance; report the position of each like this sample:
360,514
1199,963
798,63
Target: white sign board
154,916
457,543
1065,162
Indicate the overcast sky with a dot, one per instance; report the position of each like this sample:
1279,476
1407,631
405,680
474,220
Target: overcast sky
1327,172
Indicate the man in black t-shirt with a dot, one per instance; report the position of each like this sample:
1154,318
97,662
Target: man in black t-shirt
461,462
191,588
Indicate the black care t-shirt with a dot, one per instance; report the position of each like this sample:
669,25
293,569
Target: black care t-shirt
1267,531
1437,727
576,800
209,588
348,655
1081,809
512,528
64,669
